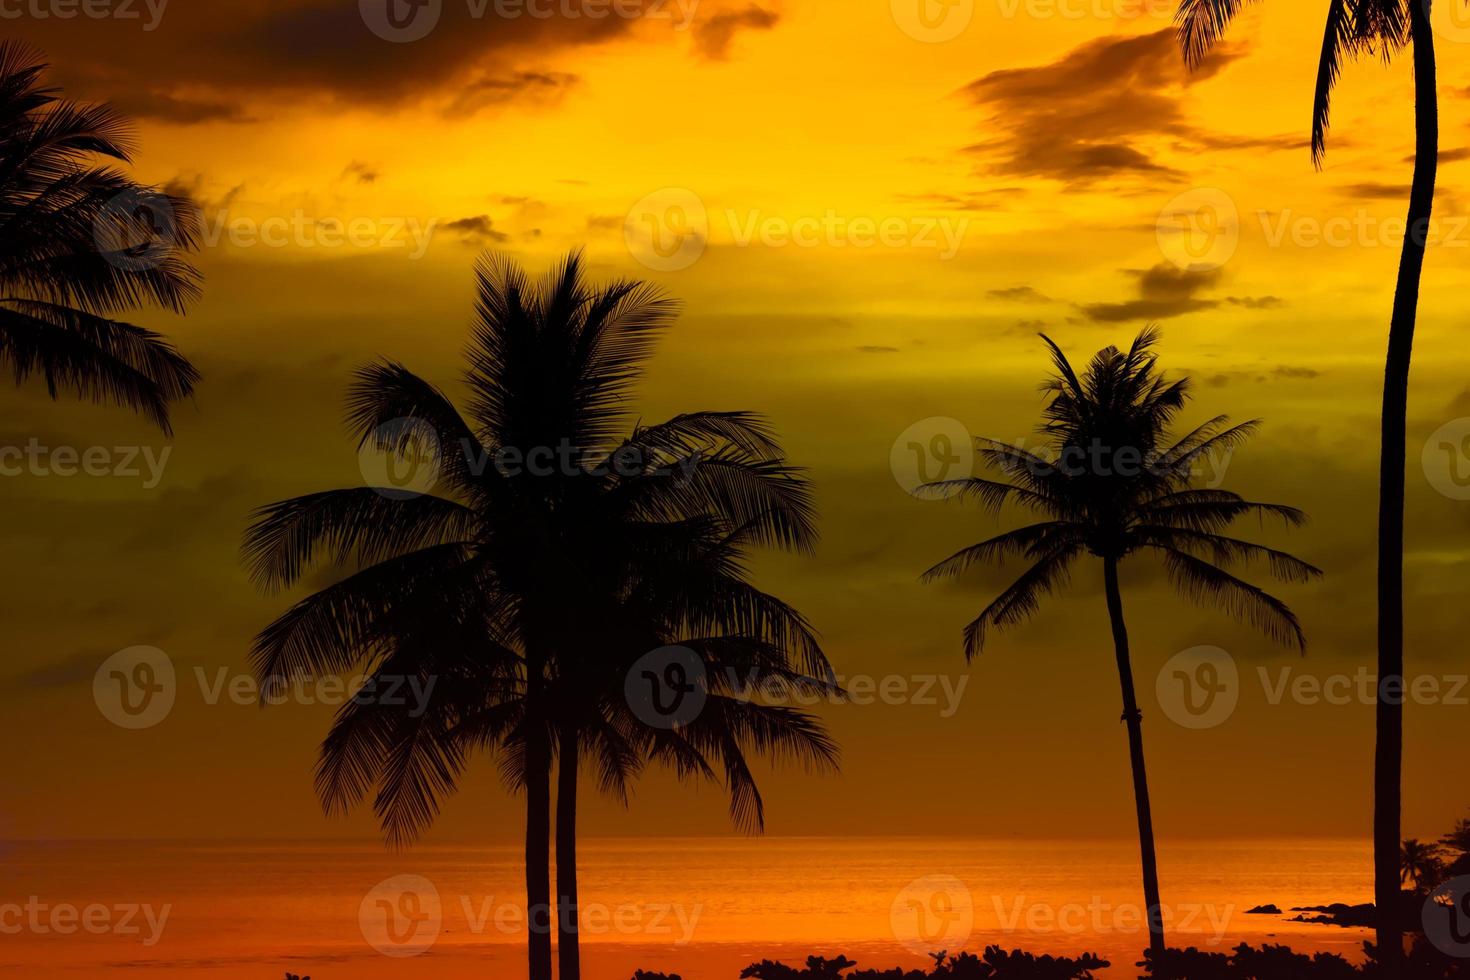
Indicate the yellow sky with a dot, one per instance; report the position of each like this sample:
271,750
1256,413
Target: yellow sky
1045,137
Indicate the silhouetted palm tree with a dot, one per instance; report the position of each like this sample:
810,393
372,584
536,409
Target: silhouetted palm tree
1118,486
1383,28
550,555
82,243
1419,865
1458,840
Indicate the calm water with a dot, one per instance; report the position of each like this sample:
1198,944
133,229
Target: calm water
702,908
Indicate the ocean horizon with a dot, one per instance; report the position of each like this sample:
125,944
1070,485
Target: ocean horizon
700,907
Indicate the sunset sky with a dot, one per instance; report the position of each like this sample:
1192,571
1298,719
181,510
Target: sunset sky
1028,173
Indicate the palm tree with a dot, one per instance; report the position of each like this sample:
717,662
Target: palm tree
1117,485
549,554
82,243
1457,840
682,584
1420,865
1382,27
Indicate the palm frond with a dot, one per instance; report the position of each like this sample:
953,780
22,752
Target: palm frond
1207,585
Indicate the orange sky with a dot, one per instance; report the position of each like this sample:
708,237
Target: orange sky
883,223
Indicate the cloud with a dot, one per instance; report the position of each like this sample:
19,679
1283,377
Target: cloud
714,36
1256,302
1281,372
877,349
479,228
174,109
1447,156
1164,291
1373,191
533,86
361,172
193,187
1019,294
1105,110
203,67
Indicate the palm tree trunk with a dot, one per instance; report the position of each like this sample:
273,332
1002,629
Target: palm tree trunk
1134,718
1388,761
568,950
539,909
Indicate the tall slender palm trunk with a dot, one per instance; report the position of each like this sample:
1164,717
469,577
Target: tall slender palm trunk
1134,718
539,910
1387,796
568,949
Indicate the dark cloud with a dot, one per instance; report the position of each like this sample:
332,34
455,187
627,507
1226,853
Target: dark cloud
1163,291
1281,372
205,63
1369,190
877,349
1447,156
479,228
74,670
1256,302
533,86
194,187
361,172
1104,110
173,109
1019,294
713,37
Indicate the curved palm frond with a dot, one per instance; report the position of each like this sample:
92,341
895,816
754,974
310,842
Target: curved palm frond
80,243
